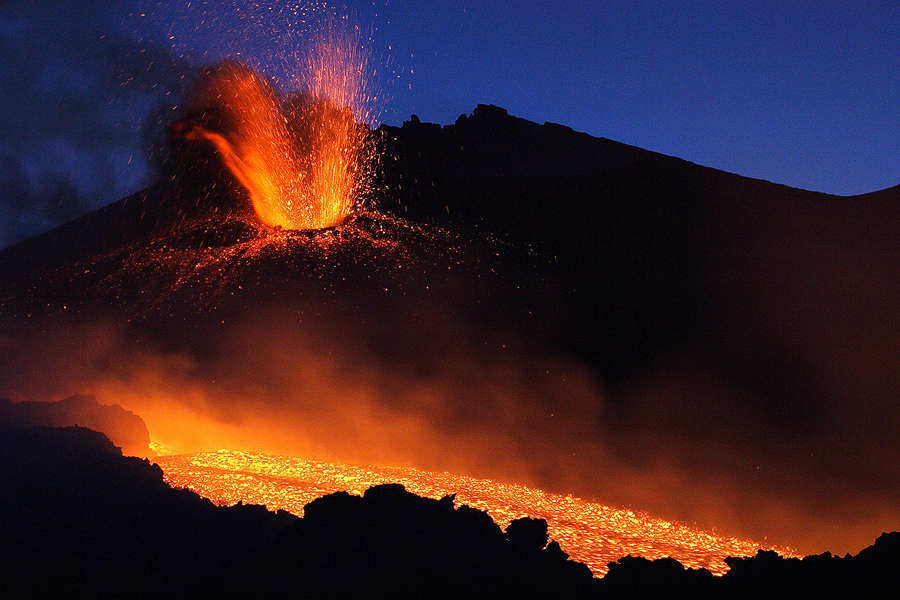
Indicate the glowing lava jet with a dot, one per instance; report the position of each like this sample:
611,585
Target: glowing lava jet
303,158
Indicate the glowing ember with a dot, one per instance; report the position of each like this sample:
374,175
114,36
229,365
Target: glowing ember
589,532
303,158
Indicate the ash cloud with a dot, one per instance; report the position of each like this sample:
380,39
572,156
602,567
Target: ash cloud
82,112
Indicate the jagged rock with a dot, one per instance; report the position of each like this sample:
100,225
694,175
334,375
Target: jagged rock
126,429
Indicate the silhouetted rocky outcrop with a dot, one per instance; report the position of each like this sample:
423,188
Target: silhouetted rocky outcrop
77,519
637,577
872,573
126,429
393,544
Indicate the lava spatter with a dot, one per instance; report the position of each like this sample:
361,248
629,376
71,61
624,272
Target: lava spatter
301,158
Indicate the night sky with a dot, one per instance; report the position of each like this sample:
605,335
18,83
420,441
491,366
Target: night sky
794,92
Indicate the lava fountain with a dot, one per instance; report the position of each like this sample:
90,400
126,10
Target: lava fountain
302,157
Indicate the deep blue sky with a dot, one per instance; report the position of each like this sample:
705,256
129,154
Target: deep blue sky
801,93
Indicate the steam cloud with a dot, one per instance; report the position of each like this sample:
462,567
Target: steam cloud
83,114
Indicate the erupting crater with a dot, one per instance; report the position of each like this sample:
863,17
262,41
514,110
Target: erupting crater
302,157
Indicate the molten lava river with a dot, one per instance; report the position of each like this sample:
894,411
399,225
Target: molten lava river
589,532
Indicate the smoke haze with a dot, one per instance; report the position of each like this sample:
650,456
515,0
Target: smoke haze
84,107
439,394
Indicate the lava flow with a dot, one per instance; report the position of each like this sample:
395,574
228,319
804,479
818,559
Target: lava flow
589,532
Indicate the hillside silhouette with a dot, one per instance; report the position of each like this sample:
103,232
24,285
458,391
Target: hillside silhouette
126,430
80,520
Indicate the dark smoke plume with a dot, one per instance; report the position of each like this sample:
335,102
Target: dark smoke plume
82,113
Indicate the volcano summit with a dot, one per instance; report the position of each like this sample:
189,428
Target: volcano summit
518,302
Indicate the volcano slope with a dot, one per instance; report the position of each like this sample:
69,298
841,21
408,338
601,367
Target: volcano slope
520,302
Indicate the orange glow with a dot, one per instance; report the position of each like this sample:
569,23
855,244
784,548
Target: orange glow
333,72
303,159
589,532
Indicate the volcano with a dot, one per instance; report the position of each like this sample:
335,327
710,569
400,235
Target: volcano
516,301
